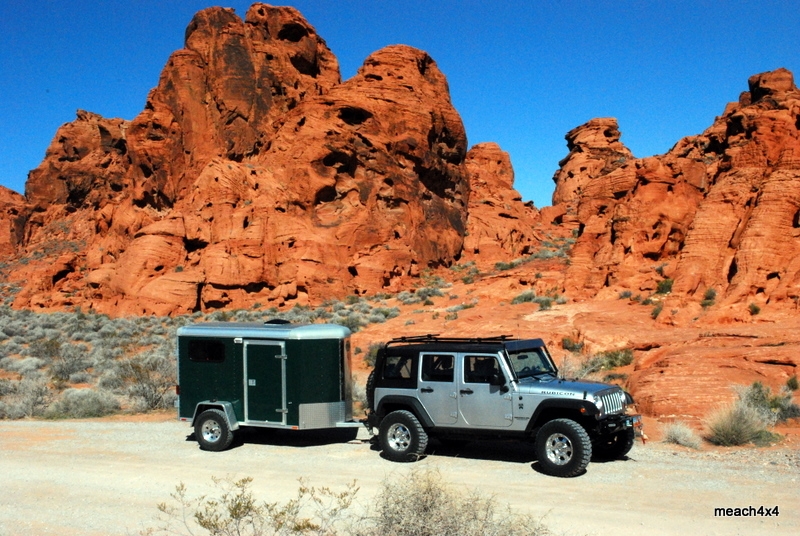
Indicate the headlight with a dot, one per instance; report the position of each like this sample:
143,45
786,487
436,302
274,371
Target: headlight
599,403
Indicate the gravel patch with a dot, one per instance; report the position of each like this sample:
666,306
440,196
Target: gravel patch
105,477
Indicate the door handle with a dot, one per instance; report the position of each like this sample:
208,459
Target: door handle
466,391
426,390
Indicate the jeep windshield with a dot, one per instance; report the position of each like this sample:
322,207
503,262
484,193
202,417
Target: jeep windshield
531,363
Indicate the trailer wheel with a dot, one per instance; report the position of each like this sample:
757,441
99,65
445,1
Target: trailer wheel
212,431
402,437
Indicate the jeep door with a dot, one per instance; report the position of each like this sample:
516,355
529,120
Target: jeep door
481,401
437,387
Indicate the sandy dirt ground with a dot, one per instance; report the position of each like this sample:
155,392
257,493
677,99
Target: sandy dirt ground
104,477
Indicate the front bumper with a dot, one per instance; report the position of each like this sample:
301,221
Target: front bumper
616,423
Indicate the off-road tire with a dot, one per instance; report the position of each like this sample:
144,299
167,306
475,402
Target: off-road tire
615,446
212,431
402,438
563,448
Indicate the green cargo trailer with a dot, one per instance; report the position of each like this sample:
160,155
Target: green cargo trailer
271,375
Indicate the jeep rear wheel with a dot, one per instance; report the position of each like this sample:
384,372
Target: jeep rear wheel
212,431
402,437
563,448
615,446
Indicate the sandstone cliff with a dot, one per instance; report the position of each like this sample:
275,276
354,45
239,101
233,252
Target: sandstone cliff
718,211
254,175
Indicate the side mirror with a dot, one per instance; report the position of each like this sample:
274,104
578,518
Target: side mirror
497,379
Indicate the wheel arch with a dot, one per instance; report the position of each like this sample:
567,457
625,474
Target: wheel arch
225,407
392,403
579,411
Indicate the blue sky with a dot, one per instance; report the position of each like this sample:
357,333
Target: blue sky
521,74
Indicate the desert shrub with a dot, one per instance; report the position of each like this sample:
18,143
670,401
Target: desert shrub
754,309
656,311
735,424
708,298
372,353
775,407
237,511
625,295
111,378
71,359
45,348
570,345
407,298
350,319
605,360
545,302
386,312
615,358
428,292
29,397
80,377
22,366
679,433
526,297
791,383
83,403
149,379
664,286
420,504
10,348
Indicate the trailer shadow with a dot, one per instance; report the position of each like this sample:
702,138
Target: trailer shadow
289,438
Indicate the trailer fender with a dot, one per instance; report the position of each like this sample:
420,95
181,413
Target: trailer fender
226,407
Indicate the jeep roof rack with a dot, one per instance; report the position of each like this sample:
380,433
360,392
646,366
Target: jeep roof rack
434,337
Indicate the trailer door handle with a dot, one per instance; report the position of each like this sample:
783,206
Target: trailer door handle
426,390
466,391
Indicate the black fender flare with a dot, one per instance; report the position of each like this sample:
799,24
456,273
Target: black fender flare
408,402
583,408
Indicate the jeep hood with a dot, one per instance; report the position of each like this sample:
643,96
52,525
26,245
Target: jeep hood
560,387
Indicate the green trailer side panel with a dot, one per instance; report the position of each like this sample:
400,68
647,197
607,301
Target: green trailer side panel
265,393
208,380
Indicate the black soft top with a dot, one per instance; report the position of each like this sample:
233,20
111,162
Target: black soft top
433,343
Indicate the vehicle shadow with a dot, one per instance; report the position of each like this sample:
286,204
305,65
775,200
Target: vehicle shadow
494,450
289,438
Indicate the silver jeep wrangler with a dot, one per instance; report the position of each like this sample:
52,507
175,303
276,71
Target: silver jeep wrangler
457,389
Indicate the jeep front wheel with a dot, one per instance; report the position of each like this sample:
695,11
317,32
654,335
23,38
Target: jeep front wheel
563,448
402,437
212,431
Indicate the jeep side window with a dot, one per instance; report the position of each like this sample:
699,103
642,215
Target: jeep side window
480,368
437,367
397,367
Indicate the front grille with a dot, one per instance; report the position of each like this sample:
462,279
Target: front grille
613,401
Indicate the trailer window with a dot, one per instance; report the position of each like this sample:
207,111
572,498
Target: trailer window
207,351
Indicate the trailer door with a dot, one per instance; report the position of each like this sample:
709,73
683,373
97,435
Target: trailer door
265,381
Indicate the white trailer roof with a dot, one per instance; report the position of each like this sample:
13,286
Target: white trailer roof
255,330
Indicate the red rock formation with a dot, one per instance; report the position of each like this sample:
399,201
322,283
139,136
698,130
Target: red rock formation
500,225
594,151
253,175
720,210
13,213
